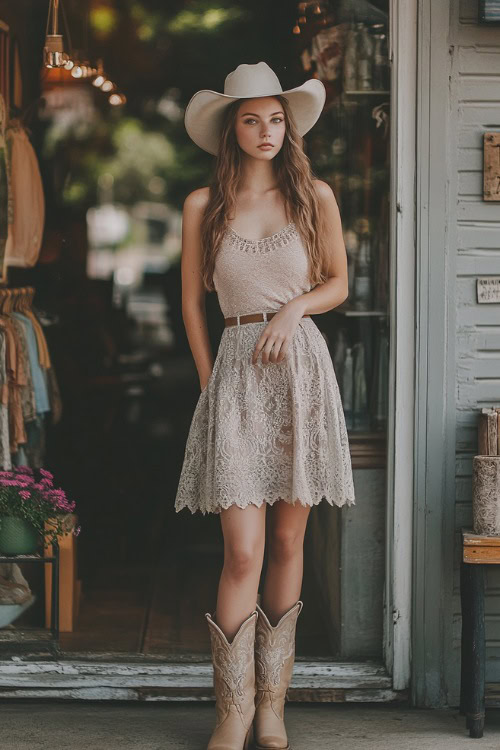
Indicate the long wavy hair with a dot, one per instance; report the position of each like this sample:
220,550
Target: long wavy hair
295,180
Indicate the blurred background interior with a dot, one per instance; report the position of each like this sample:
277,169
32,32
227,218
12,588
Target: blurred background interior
116,164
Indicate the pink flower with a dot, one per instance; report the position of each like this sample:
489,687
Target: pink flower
23,469
24,494
46,482
24,478
46,474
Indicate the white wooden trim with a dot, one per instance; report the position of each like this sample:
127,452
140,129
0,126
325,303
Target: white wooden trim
398,583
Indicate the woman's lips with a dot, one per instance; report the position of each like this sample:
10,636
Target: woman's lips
266,146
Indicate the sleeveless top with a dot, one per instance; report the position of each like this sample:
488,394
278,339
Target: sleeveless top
260,275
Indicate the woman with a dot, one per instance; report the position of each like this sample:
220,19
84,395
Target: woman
268,428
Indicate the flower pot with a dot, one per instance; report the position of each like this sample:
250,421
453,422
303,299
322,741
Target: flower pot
17,536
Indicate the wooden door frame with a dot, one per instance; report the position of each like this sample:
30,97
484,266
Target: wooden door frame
401,455
104,677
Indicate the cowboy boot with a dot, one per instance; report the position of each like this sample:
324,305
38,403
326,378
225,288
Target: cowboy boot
234,685
274,658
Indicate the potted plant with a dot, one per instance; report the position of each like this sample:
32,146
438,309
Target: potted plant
32,510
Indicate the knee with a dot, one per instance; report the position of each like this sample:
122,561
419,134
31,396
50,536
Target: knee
241,562
285,544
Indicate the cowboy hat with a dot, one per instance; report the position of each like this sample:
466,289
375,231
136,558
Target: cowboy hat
205,109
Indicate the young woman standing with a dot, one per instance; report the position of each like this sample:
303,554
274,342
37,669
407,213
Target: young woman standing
268,430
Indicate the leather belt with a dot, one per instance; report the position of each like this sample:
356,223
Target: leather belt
251,318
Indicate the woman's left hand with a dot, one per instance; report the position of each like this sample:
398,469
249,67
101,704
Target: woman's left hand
275,339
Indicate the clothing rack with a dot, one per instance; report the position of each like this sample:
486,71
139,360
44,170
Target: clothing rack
16,298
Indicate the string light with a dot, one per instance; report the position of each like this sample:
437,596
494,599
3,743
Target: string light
54,55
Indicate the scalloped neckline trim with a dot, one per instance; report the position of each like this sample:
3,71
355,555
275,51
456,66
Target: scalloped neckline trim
263,239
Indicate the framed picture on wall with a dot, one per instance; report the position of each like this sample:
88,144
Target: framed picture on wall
489,11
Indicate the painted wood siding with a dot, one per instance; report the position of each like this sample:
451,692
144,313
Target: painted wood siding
475,244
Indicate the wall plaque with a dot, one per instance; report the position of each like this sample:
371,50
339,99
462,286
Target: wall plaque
491,168
488,289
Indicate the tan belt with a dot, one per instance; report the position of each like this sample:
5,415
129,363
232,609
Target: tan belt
251,318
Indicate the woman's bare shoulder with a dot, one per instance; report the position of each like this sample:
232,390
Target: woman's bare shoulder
323,189
197,199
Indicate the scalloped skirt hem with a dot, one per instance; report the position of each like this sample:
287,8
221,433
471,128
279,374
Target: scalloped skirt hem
348,501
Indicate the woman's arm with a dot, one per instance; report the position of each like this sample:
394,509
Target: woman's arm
193,291
335,289
277,335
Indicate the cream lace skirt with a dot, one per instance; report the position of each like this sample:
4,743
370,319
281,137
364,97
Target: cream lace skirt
261,433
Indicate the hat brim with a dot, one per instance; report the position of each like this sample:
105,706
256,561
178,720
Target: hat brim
205,110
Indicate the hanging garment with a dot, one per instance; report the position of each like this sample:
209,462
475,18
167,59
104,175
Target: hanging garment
16,378
27,223
28,392
5,205
5,457
39,384
43,349
265,432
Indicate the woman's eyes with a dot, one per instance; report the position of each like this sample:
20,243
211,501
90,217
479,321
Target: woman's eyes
252,119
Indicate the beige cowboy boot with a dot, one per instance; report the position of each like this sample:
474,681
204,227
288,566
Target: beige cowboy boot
274,658
234,685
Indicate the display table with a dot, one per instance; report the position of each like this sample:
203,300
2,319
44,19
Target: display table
53,560
477,551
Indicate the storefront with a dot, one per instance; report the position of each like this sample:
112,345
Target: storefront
379,577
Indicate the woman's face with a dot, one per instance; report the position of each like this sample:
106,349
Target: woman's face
260,121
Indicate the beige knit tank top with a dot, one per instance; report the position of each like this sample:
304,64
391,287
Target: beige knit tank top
260,275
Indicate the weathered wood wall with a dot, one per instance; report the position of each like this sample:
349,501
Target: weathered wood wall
475,242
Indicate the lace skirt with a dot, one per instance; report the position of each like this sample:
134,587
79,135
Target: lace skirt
261,433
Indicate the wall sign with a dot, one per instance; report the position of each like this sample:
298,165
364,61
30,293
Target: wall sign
489,11
488,289
491,167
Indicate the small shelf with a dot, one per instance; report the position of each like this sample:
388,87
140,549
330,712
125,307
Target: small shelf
352,312
374,92
29,636
368,449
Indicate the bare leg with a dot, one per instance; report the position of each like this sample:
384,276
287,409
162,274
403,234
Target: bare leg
244,531
283,581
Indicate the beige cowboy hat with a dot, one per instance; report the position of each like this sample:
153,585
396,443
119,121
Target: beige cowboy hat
205,109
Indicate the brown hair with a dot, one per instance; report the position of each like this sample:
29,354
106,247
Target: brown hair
295,179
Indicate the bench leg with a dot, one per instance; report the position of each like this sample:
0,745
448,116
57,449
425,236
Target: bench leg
465,666
473,648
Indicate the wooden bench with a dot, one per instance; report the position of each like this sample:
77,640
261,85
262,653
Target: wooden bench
477,551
